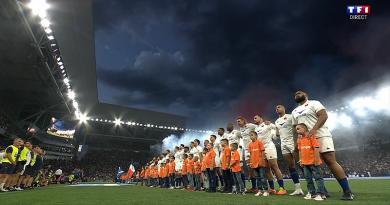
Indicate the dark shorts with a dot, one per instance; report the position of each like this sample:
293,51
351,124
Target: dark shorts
20,166
29,171
7,168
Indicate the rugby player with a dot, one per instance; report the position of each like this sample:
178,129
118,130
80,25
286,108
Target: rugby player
232,135
245,129
313,114
284,130
217,150
265,134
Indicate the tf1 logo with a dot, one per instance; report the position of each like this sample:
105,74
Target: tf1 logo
358,12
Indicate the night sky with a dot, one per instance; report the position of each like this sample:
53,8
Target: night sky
213,60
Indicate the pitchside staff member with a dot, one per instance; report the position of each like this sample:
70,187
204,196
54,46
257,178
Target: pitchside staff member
313,114
34,167
24,160
8,164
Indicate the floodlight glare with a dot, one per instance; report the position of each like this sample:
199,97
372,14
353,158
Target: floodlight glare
45,23
72,94
39,7
117,122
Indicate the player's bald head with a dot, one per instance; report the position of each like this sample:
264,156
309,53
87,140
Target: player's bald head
280,109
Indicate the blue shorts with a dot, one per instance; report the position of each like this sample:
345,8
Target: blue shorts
7,168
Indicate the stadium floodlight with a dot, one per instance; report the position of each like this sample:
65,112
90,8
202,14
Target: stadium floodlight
50,37
72,94
117,122
331,122
39,7
48,31
358,103
62,67
75,104
361,112
82,117
383,98
345,120
66,80
59,58
62,71
60,63
45,23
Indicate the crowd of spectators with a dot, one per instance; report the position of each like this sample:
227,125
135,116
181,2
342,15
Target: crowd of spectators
4,121
57,149
367,164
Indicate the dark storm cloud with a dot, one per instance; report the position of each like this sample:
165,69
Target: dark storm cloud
242,57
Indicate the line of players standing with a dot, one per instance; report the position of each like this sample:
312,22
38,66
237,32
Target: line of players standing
312,138
20,165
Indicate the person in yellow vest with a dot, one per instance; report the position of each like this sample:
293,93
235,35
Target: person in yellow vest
29,167
8,164
26,157
24,151
35,166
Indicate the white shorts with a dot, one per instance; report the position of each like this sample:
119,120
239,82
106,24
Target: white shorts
326,144
178,166
217,161
270,151
287,147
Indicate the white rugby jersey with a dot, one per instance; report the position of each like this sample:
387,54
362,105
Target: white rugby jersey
265,133
233,137
219,137
179,156
196,151
244,133
284,128
307,114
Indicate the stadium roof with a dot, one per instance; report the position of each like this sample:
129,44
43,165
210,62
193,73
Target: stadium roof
26,85
25,81
75,35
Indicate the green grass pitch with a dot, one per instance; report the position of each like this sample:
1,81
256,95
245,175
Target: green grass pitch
375,192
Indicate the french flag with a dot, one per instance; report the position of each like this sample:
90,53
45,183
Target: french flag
131,171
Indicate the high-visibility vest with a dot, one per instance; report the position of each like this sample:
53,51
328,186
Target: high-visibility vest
33,159
14,154
23,154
